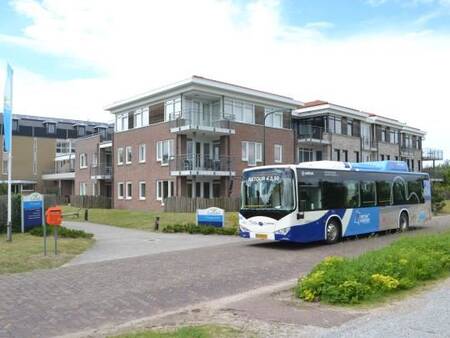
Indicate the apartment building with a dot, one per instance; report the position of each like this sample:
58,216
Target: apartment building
93,163
327,131
43,153
193,138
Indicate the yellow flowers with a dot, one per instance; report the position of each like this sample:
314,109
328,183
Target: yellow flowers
308,295
403,261
386,282
331,260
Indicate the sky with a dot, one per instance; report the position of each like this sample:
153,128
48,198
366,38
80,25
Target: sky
389,57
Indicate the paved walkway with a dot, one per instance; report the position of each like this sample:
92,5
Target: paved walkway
70,299
115,243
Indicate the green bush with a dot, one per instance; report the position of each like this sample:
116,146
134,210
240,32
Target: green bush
200,229
63,232
399,266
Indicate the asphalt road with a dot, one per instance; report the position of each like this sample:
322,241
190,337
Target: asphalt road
82,297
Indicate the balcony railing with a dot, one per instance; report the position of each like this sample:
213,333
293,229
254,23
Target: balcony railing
60,170
432,155
200,163
192,119
101,170
311,132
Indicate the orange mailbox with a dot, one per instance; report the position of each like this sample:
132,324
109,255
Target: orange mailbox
53,216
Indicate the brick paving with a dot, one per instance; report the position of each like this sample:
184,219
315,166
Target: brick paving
76,298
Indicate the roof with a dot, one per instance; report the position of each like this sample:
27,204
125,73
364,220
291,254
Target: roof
58,120
205,82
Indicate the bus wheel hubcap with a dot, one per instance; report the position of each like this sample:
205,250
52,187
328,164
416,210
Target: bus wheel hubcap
331,232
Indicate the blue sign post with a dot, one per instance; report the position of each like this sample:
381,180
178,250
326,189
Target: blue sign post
32,211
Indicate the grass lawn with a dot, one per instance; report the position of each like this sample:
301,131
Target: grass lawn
26,252
206,331
142,220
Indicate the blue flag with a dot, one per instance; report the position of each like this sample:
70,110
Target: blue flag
7,110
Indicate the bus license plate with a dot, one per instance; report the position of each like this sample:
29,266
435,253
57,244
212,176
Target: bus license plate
261,236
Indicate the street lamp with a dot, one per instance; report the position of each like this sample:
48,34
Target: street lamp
264,130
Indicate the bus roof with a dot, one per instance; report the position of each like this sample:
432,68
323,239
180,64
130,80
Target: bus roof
375,166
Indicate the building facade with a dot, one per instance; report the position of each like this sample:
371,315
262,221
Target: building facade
44,153
327,131
194,138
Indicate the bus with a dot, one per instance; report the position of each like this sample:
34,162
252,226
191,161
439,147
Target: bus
328,200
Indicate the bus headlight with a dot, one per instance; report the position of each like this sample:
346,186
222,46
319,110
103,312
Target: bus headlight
283,231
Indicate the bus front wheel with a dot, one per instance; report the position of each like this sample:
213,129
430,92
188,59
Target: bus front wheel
333,232
403,222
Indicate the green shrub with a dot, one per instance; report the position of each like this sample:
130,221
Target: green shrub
200,229
399,266
63,232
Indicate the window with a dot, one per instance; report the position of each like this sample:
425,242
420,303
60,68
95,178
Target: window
251,152
83,161
415,191
305,155
333,194
51,128
382,157
274,120
368,194
142,191
242,111
383,135
94,159
334,124
345,152
129,154
15,125
351,194
393,136
388,157
164,151
120,156
138,118
83,188
349,128
357,156
94,189
337,155
383,193
399,191
81,130
142,151
172,109
419,165
129,191
278,153
396,158
164,189
122,122
120,191
412,165
5,167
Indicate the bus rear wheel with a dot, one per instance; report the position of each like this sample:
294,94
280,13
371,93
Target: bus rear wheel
403,223
333,234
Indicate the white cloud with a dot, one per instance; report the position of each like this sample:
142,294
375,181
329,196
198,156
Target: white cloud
139,45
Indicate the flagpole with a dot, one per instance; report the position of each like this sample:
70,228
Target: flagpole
7,124
9,223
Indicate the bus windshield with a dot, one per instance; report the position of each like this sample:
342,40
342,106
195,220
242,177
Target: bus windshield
268,189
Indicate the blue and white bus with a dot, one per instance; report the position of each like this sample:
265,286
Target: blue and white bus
327,200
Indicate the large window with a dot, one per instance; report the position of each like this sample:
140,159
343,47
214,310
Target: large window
128,155
120,191
368,194
399,191
274,120
164,151
172,109
83,161
142,191
142,153
83,189
273,189
278,153
305,155
241,110
129,191
120,156
384,193
334,124
251,152
164,189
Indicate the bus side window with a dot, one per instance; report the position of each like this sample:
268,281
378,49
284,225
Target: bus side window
352,194
399,191
368,194
383,193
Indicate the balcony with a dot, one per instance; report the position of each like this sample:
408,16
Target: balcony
313,134
101,172
407,151
59,173
192,121
200,165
